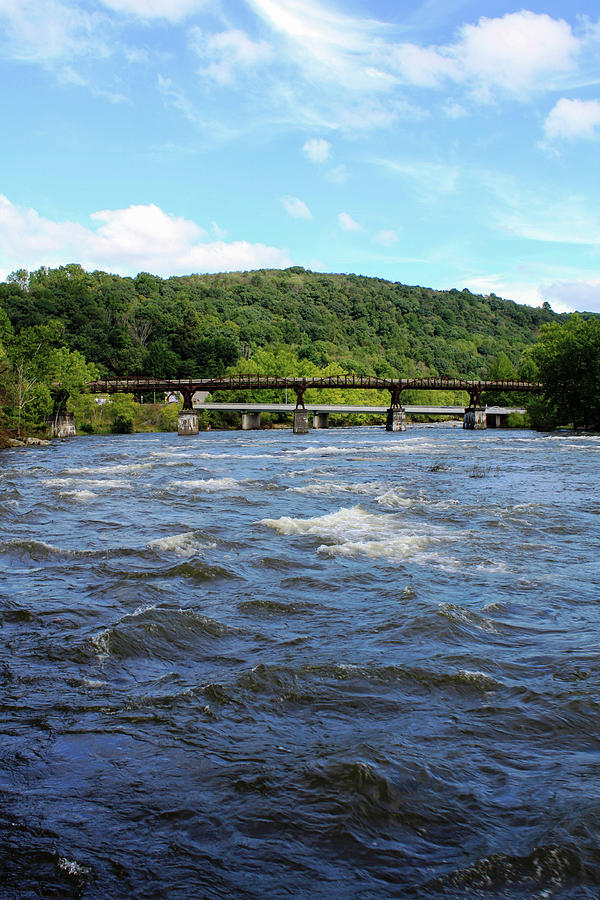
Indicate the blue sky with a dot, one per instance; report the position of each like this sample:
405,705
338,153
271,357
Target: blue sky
445,143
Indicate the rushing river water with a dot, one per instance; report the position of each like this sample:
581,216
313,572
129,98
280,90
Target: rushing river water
350,664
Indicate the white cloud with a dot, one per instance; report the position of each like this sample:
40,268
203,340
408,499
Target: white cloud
138,238
573,119
517,53
173,10
571,295
387,237
347,223
317,150
228,52
296,208
45,31
423,66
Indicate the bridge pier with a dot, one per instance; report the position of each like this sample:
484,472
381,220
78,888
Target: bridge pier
300,421
250,421
396,419
475,418
321,420
187,422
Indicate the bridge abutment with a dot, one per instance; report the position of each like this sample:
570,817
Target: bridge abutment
187,422
321,420
250,421
475,418
396,419
62,426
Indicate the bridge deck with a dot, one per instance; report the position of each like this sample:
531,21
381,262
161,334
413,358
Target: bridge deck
337,408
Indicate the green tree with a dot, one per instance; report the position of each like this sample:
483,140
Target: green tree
568,360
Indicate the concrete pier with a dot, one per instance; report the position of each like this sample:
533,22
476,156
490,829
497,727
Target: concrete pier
300,421
475,418
62,426
396,419
187,422
250,421
321,420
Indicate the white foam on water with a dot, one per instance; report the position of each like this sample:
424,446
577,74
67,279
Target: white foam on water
30,545
356,532
207,484
86,483
395,498
98,470
335,487
71,867
185,544
479,678
81,496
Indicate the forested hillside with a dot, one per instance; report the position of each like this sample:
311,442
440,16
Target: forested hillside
205,324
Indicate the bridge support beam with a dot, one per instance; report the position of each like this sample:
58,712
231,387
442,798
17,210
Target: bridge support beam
475,418
300,421
321,420
396,419
250,421
187,422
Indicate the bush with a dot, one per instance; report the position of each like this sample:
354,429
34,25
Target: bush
122,424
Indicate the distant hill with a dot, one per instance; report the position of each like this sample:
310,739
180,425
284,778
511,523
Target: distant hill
204,324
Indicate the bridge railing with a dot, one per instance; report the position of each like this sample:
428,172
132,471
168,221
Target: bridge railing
146,383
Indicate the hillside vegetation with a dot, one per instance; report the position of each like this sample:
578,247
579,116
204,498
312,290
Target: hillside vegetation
288,321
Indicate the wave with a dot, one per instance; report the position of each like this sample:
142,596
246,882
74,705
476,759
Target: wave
354,531
111,469
81,496
36,550
85,483
207,484
155,631
189,543
328,488
547,870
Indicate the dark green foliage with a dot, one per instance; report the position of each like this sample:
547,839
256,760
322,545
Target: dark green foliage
205,324
568,361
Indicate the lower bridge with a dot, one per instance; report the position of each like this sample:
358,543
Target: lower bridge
476,415
495,416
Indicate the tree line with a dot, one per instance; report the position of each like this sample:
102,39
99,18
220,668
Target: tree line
60,327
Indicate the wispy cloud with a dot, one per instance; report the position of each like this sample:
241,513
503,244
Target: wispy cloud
387,237
430,179
137,238
296,208
176,98
347,223
47,31
228,54
172,10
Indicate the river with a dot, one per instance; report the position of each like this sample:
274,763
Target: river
348,664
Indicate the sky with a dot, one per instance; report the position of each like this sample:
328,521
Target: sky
446,143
